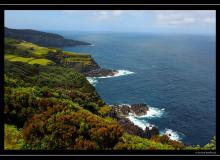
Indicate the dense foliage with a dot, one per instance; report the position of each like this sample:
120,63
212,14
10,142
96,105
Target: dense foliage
13,138
70,128
53,106
131,142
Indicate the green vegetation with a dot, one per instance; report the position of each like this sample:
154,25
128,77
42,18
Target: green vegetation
209,146
35,49
105,110
13,138
71,128
130,142
49,105
25,48
15,58
73,57
22,51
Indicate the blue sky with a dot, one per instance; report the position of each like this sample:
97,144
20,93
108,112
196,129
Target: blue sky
150,21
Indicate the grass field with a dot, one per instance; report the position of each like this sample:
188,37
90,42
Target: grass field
33,49
80,58
29,60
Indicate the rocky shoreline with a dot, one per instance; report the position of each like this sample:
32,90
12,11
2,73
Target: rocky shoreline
100,72
121,113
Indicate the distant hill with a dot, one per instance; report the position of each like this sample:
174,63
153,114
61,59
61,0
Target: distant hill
41,38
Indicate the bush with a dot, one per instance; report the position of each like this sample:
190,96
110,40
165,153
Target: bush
105,110
62,128
211,145
164,139
81,144
131,142
13,138
23,102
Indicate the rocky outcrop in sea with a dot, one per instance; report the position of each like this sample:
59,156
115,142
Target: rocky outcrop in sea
121,113
100,72
135,109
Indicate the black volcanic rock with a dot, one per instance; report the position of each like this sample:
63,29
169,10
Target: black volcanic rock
100,72
150,132
41,38
130,128
120,113
139,109
125,110
136,109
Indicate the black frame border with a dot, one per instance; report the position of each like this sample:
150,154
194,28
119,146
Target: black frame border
101,152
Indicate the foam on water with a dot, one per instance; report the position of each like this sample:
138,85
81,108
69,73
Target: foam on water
92,80
172,134
140,123
120,105
153,113
119,73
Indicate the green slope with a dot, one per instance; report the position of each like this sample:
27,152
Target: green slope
52,106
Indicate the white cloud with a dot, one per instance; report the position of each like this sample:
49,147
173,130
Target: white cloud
108,14
184,17
69,11
117,13
161,17
209,20
98,15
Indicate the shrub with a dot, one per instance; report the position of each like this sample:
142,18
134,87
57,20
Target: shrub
13,138
81,144
164,139
62,128
22,103
211,145
131,142
105,110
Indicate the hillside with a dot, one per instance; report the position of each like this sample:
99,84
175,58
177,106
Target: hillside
41,38
50,105
23,51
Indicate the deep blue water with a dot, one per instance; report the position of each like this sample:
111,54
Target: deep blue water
173,72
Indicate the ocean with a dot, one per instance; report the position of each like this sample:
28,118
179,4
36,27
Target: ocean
174,74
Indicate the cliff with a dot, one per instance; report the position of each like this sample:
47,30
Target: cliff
42,83
26,51
19,50
50,105
41,38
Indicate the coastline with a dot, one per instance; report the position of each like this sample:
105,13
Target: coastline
127,115
77,89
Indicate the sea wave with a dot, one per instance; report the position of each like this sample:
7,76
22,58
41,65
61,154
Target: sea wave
174,135
94,80
153,113
119,73
140,123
